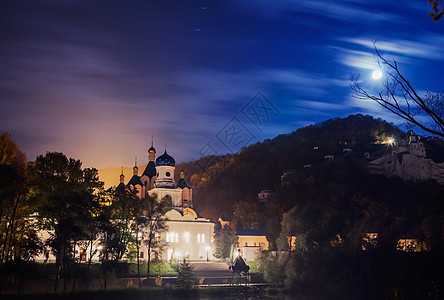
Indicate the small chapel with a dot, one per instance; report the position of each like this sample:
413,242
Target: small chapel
188,235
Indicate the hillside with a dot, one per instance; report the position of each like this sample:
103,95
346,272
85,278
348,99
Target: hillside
241,176
228,188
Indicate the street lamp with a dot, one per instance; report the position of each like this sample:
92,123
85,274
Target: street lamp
207,248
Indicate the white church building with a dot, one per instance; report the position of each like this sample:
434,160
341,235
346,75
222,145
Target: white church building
187,235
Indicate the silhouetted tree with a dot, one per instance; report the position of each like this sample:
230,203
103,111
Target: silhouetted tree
63,192
19,242
273,231
125,203
154,211
14,207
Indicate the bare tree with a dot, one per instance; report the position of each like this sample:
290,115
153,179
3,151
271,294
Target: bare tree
400,97
437,11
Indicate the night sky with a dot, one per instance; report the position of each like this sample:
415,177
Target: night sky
95,79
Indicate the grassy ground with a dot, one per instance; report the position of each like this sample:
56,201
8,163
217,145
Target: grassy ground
156,268
121,269
253,267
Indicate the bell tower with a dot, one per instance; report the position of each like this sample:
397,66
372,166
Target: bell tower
165,171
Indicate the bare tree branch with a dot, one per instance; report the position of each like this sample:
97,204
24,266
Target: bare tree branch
400,98
436,12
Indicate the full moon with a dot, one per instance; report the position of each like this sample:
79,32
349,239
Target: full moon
376,75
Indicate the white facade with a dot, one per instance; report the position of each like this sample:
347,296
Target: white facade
188,236
408,161
174,193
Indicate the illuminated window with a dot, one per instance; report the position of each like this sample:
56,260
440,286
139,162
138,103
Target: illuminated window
201,238
172,237
186,236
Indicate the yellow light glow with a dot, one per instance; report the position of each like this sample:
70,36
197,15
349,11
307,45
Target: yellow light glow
391,141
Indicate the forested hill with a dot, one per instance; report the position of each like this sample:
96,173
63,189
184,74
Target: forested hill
236,179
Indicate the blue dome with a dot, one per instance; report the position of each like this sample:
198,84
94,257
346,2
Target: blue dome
165,160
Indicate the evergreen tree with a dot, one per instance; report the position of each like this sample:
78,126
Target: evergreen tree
225,240
185,275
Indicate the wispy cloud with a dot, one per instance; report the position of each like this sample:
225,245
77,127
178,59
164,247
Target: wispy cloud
422,47
350,11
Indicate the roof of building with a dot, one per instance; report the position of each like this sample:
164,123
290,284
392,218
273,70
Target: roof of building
165,160
152,150
150,170
254,232
135,180
120,187
183,183
240,265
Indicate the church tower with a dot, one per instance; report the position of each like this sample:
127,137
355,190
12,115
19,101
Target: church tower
165,171
165,185
148,177
121,185
187,192
135,180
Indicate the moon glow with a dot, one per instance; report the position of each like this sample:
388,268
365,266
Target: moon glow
376,75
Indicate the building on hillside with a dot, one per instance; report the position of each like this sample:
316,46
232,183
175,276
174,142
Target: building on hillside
405,243
409,243
264,196
408,160
250,242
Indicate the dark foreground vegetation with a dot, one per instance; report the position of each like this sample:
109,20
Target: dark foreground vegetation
365,275
233,292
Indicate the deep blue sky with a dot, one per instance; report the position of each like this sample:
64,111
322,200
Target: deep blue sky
95,79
